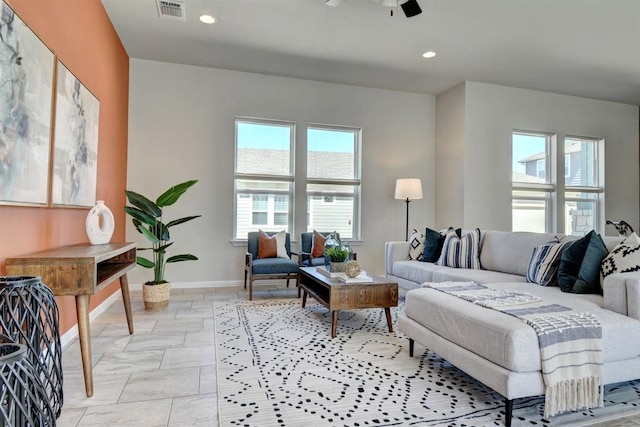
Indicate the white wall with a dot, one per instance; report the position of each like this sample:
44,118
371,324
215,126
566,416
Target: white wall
491,113
181,126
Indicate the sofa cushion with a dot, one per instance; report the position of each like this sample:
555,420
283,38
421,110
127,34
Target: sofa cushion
274,266
624,258
418,272
416,245
445,274
461,252
543,265
506,340
433,243
508,251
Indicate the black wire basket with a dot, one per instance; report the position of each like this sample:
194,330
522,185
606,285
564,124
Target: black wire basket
29,316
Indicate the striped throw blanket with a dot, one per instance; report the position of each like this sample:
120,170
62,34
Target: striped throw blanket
570,343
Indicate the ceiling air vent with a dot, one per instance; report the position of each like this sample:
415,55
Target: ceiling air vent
171,10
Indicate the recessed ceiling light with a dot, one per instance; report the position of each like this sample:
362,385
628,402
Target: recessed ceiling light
429,54
207,19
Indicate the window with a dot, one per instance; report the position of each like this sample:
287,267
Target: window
539,202
263,178
531,194
333,179
584,192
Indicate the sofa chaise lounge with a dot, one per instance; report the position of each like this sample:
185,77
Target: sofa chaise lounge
497,349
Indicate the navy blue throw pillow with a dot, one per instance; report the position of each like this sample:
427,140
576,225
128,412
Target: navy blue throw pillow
579,270
433,241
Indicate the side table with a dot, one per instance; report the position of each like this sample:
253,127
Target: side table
81,270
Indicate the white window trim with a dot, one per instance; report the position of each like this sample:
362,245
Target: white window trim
357,183
273,178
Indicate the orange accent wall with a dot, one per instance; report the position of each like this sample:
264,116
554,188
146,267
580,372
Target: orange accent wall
81,35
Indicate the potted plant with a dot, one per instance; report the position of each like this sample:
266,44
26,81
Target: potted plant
338,255
147,218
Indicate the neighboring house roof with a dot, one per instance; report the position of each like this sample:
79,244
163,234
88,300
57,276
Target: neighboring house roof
320,164
528,179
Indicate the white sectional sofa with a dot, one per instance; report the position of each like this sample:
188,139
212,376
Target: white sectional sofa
495,348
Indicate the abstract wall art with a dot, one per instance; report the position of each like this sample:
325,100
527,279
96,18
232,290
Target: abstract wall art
26,90
75,142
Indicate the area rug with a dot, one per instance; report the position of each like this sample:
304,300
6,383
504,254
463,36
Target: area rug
277,365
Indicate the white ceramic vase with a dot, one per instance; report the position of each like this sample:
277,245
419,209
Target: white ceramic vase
100,224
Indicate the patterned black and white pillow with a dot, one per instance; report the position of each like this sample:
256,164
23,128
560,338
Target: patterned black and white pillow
416,245
544,263
624,258
461,252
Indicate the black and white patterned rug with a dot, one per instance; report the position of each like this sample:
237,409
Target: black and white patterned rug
277,365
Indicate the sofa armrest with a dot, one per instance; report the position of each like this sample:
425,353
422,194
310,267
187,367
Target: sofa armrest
395,251
622,293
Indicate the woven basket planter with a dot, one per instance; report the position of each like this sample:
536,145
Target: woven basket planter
156,297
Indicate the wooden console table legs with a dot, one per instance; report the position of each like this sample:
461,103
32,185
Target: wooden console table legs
124,287
84,330
84,336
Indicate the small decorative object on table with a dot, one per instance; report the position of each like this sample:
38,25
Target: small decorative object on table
337,257
352,268
99,224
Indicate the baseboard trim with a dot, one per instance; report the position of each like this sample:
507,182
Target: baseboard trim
72,333
192,285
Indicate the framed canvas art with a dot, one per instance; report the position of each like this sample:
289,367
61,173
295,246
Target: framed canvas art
75,142
26,90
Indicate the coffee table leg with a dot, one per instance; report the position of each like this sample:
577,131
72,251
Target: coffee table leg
304,298
387,311
334,323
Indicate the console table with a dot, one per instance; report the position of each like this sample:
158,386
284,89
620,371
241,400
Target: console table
81,270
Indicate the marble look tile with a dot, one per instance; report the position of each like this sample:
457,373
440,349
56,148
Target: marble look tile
155,342
194,411
120,329
161,384
164,327
202,303
198,339
70,417
208,324
195,313
188,357
153,413
127,362
191,296
106,389
208,380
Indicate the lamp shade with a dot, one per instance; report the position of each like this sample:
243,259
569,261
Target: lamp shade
409,188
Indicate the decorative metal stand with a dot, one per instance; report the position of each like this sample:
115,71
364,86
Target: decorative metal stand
23,399
29,316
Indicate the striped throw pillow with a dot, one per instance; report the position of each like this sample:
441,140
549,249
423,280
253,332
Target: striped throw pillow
461,252
544,263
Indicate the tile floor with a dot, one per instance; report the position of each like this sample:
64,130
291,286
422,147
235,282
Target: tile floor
164,374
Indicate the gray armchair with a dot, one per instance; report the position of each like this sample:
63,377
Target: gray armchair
268,268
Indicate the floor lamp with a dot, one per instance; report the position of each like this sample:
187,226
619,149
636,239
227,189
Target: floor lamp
408,189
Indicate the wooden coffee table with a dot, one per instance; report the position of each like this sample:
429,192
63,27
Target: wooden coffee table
337,295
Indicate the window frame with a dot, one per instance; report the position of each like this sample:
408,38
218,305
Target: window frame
355,182
267,178
598,189
556,186
548,188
